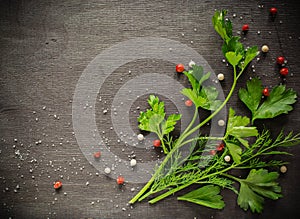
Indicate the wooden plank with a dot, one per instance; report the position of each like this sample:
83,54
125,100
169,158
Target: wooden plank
46,46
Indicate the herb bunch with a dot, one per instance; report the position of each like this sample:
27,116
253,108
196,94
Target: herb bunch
247,147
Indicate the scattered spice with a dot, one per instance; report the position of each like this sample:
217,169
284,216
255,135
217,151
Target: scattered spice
221,122
245,28
156,143
283,169
284,71
221,77
273,11
265,49
179,68
227,158
188,103
266,92
140,137
120,180
57,185
280,60
107,170
97,155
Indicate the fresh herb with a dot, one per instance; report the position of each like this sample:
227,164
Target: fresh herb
205,164
278,102
153,120
232,48
202,96
237,127
207,196
259,184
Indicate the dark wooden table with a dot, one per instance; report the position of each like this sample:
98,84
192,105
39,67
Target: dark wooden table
46,46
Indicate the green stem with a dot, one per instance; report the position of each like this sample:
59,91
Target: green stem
231,177
185,135
204,138
222,172
192,121
149,183
179,144
163,146
145,196
241,72
161,138
172,191
143,190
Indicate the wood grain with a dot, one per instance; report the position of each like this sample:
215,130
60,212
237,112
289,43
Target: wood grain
46,45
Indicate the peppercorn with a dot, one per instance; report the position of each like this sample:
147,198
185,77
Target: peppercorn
266,92
179,68
120,180
284,71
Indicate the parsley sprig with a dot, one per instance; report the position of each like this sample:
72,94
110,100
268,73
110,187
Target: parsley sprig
278,102
180,170
153,120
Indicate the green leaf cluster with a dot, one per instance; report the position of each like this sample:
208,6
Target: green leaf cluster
202,167
202,96
259,184
279,102
154,120
237,126
207,196
232,48
236,133
264,146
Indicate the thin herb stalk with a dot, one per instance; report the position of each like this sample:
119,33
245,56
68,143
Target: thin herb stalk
185,135
234,165
180,139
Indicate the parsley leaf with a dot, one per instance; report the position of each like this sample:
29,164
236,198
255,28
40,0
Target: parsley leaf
279,101
232,48
180,170
169,125
235,151
252,95
202,96
233,45
207,196
222,26
233,58
236,127
251,53
259,184
158,109
153,120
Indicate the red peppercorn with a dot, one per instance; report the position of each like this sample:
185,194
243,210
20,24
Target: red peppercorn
156,143
273,11
120,180
189,103
57,185
266,92
97,154
220,147
280,60
245,28
179,68
284,71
